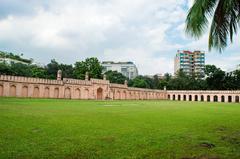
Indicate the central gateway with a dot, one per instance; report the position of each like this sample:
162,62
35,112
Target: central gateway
99,93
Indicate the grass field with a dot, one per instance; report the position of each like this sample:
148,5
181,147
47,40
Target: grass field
44,128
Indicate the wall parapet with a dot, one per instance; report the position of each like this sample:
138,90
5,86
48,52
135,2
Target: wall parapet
99,81
205,91
114,85
145,89
21,79
76,81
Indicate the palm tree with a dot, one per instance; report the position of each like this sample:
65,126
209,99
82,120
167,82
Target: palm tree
225,20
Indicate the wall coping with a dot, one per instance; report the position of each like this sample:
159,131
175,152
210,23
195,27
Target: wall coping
22,79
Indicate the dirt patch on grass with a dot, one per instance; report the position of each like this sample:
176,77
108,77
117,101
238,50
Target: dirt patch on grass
202,157
221,128
232,139
108,139
207,145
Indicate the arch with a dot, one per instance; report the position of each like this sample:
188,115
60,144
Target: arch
13,91
202,98
99,93
168,96
124,95
67,93
215,98
77,93
24,91
196,97
184,97
129,95
137,95
222,99
190,98
118,95
237,99
36,92
56,93
1,90
229,99
46,92
86,93
208,98
179,97
174,97
146,96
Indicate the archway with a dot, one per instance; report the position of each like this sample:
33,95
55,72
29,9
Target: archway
1,90
196,97
36,92
56,92
118,95
202,98
46,92
208,98
190,97
222,99
86,93
179,97
229,99
25,91
174,97
184,97
13,90
215,98
168,96
124,95
237,99
77,93
67,93
99,94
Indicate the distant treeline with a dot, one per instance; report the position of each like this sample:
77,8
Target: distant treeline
14,57
216,79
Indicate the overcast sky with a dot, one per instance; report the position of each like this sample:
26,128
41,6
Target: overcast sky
147,32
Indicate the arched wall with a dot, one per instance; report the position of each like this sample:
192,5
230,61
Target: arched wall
25,91
207,96
46,92
1,90
13,91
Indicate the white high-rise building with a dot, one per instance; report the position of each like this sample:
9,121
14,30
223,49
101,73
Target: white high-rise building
190,62
128,69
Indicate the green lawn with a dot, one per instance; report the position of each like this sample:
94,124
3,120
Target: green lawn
44,128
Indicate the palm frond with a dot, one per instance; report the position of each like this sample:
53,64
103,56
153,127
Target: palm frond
224,24
197,18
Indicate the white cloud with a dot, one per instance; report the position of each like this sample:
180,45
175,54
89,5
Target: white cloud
147,32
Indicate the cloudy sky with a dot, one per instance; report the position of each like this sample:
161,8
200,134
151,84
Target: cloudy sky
147,32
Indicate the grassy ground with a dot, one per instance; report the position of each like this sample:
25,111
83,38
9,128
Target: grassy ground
42,128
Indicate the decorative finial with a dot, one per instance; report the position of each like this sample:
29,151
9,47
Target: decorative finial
59,75
165,88
86,76
104,77
125,82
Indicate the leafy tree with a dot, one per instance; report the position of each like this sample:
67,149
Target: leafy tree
90,65
38,72
215,77
115,77
52,69
19,69
5,69
139,82
67,70
225,15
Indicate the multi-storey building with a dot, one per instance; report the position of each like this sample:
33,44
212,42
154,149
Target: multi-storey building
190,62
128,69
